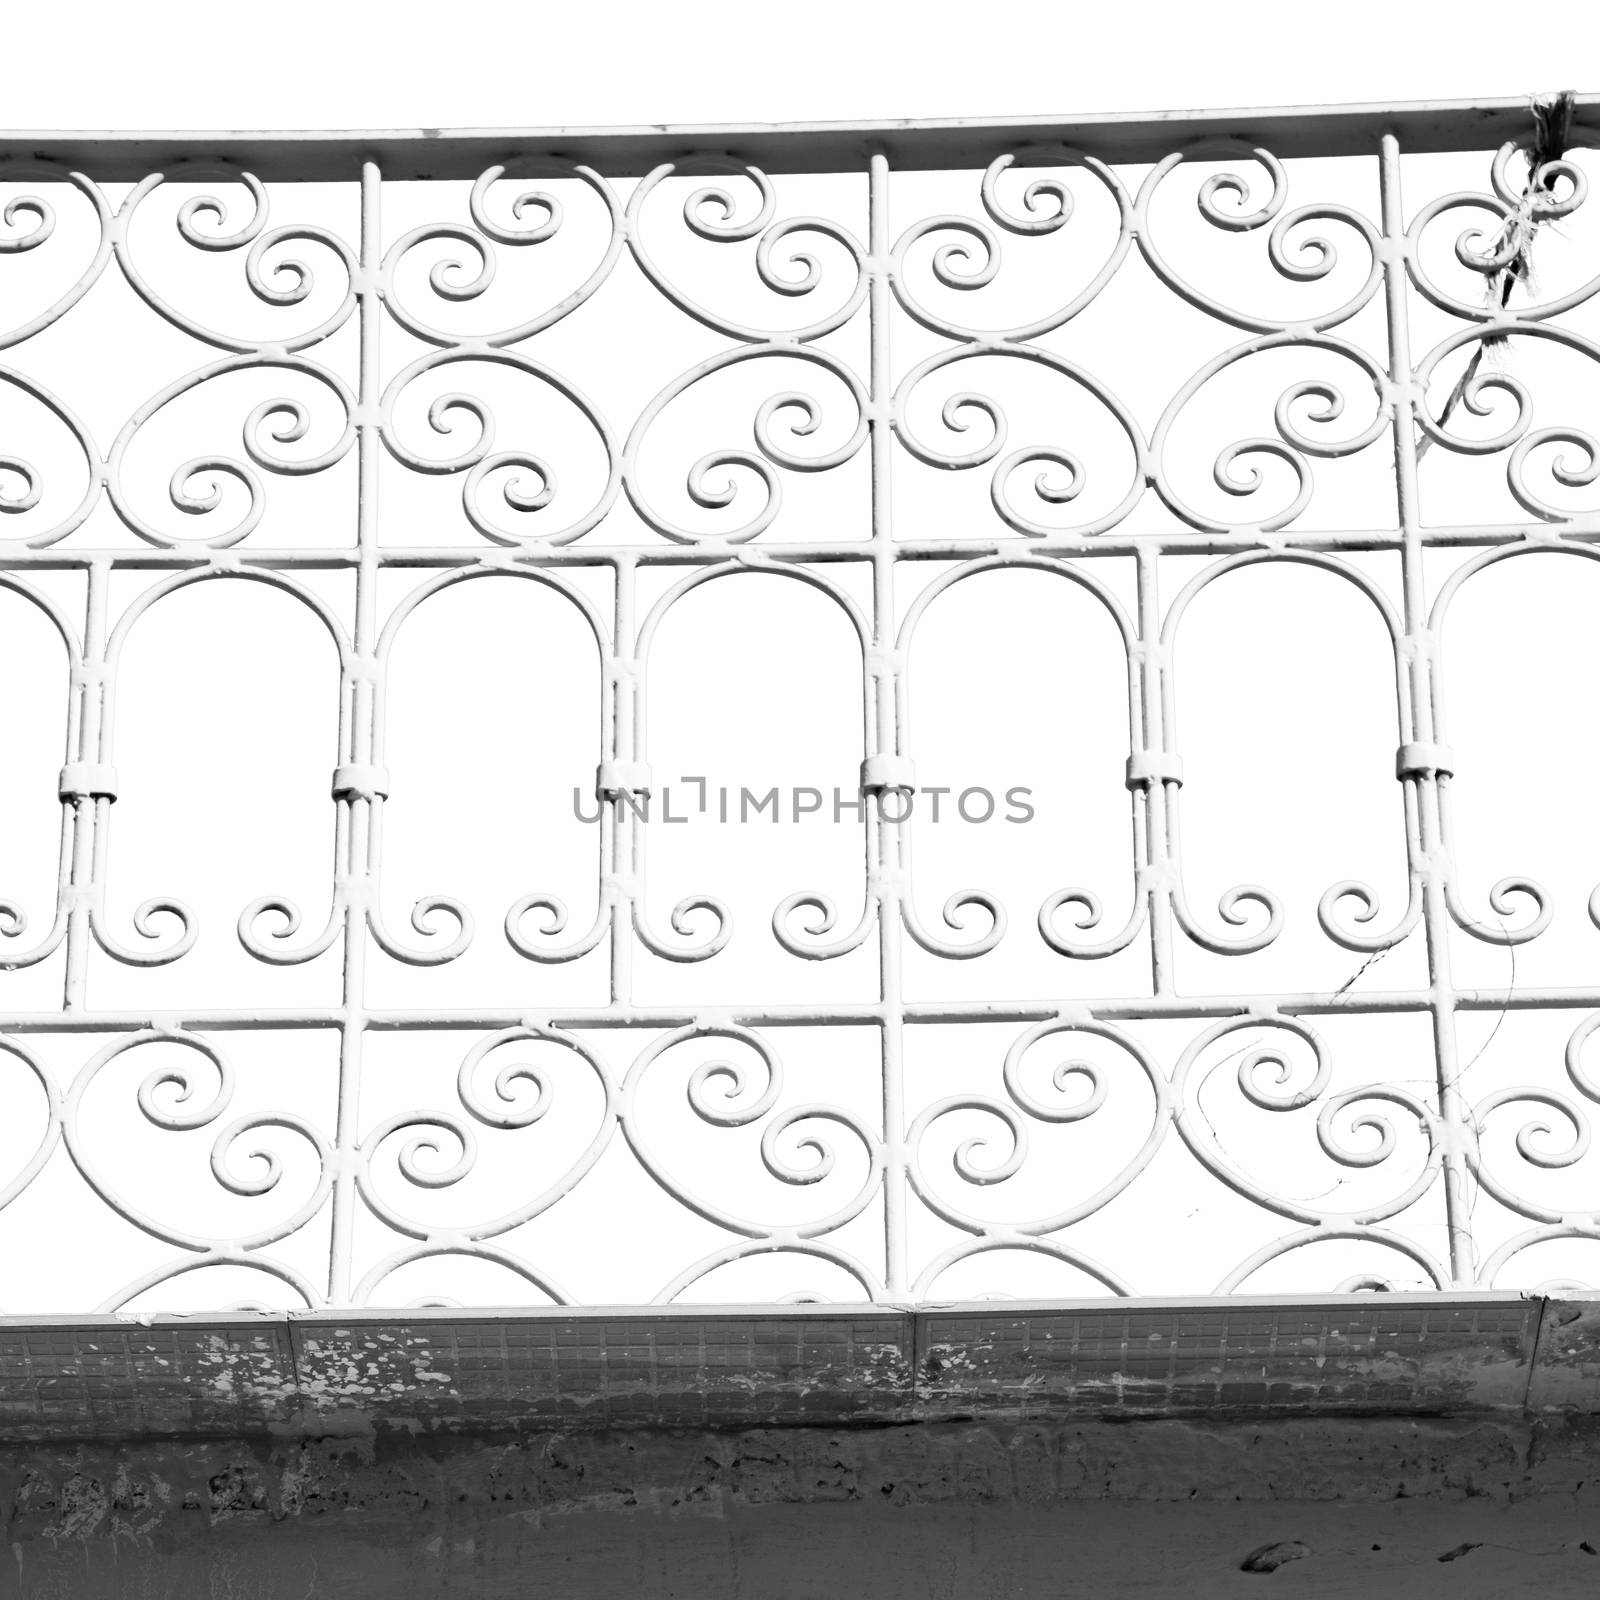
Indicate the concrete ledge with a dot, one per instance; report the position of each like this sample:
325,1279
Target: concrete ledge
1386,1446
332,1374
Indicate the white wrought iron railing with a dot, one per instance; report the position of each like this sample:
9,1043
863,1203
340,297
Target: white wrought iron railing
889,286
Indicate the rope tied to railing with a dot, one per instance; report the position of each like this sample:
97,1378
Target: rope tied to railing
1552,128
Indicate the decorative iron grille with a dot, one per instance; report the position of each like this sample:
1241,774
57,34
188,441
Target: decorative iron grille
1025,184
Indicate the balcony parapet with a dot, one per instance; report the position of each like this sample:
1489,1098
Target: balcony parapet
320,1373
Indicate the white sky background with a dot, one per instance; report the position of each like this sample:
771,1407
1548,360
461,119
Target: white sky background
504,64
501,65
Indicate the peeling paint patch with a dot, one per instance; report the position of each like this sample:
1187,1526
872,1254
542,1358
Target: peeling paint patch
1269,1557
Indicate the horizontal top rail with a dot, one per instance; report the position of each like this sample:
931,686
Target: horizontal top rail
910,144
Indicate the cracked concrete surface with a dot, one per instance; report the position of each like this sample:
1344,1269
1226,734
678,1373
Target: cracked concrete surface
1372,1447
1358,1506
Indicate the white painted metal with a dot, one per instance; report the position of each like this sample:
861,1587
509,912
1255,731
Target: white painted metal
804,925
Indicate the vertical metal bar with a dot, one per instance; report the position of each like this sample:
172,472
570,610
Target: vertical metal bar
886,669
1417,656
1152,703
84,854
620,841
360,736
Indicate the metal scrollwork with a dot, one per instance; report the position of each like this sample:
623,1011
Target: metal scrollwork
1224,201
719,1093
173,1098
194,488
1079,1089
275,280
576,372
969,258
439,1149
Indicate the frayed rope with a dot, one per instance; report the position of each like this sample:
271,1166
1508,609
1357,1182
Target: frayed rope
1513,245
